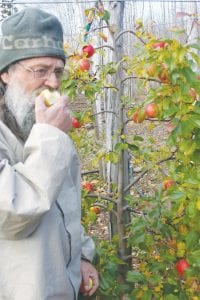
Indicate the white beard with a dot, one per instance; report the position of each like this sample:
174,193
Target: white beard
20,109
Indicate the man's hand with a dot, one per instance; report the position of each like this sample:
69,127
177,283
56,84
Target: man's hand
89,273
57,115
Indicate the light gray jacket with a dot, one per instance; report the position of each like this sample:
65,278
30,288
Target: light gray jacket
41,239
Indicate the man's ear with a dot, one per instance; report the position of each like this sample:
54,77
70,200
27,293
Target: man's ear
5,77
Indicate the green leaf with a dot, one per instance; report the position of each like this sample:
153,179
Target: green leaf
172,297
170,111
133,147
138,138
195,258
188,73
196,121
177,195
113,157
135,276
168,288
191,209
70,92
138,238
192,239
120,146
104,284
68,83
187,147
195,46
147,295
106,16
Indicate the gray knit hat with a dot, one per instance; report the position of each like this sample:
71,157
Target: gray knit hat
30,33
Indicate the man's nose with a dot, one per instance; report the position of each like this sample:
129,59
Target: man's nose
52,81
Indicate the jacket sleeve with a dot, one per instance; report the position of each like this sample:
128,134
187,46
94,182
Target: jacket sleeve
88,247
29,188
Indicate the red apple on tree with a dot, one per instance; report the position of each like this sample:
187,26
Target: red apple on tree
88,186
168,183
151,70
84,64
192,93
159,45
151,110
75,123
164,73
88,50
138,116
95,209
170,126
181,266
164,76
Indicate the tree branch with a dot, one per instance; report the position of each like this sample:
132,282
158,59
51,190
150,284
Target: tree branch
129,31
135,181
102,197
104,111
89,172
145,171
105,46
142,78
98,28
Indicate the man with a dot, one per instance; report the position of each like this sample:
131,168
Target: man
43,252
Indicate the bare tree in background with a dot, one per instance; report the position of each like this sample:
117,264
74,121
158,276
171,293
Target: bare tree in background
7,9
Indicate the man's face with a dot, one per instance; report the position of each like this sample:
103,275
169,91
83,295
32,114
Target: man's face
25,80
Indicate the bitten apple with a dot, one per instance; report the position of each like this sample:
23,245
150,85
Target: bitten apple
82,287
50,98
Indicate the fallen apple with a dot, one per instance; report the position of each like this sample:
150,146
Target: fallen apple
151,110
181,266
83,288
50,98
88,50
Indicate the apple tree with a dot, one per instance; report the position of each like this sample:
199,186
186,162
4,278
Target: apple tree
153,249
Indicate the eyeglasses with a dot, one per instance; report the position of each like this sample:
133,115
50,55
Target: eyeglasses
42,73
